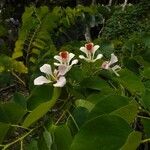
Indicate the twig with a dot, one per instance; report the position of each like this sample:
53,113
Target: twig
15,75
8,87
17,140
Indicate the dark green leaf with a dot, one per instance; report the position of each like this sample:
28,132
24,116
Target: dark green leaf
62,137
3,130
108,105
104,132
130,81
39,95
11,113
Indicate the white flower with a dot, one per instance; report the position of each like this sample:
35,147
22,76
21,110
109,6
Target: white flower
90,50
57,77
108,64
65,58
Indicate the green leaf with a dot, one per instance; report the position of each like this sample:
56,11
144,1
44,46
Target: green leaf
3,130
146,125
39,95
108,105
95,98
133,141
106,132
9,64
84,103
19,99
146,72
11,113
33,145
106,48
128,112
146,99
62,137
130,81
3,30
95,83
48,139
42,109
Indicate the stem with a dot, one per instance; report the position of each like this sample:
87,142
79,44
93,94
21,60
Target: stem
143,117
60,117
14,125
73,120
17,140
21,145
15,75
146,140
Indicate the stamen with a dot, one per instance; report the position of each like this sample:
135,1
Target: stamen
64,55
89,46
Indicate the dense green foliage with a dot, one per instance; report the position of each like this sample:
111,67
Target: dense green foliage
95,109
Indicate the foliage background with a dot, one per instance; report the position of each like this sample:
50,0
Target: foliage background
32,32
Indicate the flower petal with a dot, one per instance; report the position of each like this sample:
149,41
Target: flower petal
84,58
60,82
74,62
81,57
41,80
57,64
113,59
62,69
95,48
58,58
99,56
71,55
84,50
46,68
105,65
115,69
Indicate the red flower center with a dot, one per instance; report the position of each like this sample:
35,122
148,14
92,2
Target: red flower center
64,54
89,46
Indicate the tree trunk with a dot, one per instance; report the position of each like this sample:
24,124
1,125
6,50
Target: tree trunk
110,3
124,5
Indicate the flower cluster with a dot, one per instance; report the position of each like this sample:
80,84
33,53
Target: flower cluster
58,75
64,64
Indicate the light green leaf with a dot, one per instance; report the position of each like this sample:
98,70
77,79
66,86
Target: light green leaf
84,103
128,112
133,141
48,139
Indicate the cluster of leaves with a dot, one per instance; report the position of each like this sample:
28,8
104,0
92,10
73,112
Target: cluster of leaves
123,23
